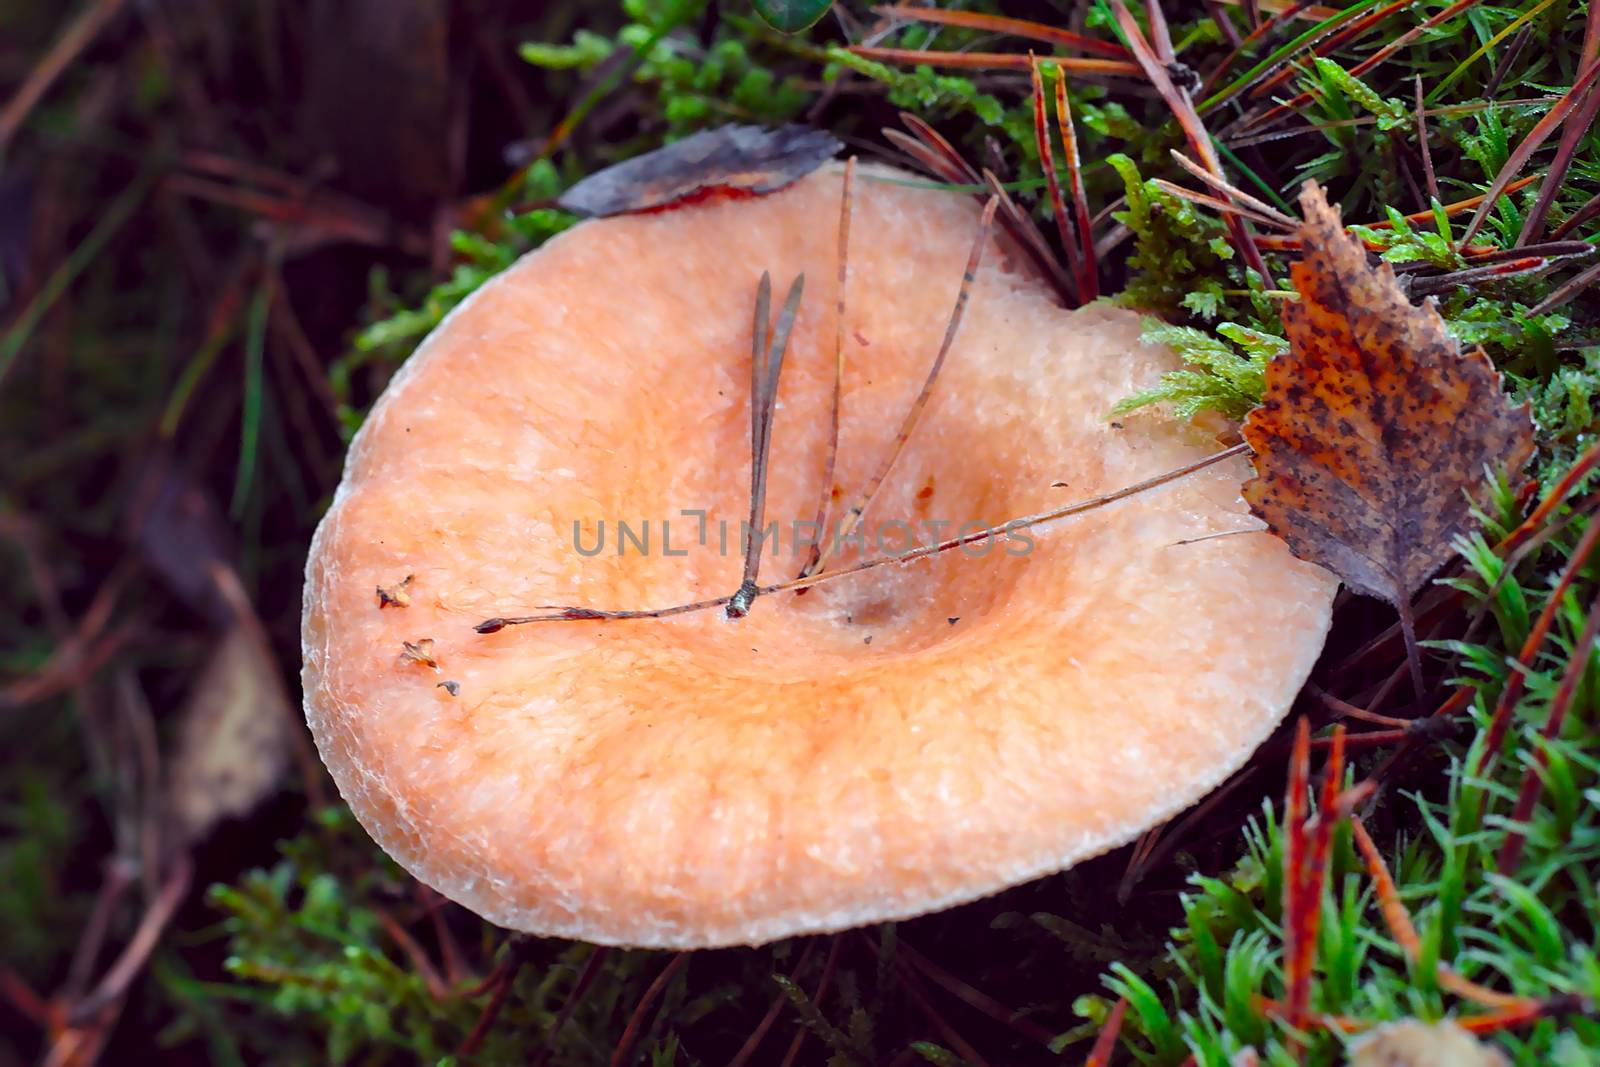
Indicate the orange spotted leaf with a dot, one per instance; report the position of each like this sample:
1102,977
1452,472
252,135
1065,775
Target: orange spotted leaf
1375,430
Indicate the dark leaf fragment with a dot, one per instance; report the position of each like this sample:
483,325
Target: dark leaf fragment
791,16
727,161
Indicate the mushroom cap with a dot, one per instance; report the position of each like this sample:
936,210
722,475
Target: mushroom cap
893,742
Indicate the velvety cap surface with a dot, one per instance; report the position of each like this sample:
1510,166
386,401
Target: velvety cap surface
888,744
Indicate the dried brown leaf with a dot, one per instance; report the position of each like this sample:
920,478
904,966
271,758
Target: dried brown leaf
727,161
1373,436
234,740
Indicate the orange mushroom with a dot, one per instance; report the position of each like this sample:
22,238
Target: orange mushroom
900,739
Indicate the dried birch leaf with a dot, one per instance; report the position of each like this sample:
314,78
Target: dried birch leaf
727,161
1375,429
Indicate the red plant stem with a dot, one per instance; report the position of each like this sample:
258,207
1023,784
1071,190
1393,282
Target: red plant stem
1530,144
1266,118
1047,160
1347,710
1553,499
1261,30
1374,737
1524,1014
994,60
1587,211
1294,863
1088,261
491,1011
1567,291
940,157
23,998
1317,866
1394,911
1106,1041
1025,28
115,982
1452,209
79,35
1532,783
1160,35
1326,45
1512,691
1571,136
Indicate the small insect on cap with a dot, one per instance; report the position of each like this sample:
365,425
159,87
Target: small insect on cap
893,741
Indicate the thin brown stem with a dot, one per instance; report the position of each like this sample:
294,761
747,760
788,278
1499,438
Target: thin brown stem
1259,30
505,975
1220,206
1189,120
137,952
1567,291
641,1011
1227,188
1577,125
1588,210
816,998
1393,908
830,461
1422,146
854,514
80,33
1408,627
591,971
753,1042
